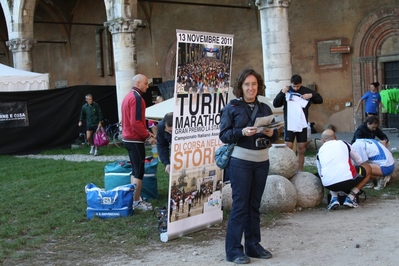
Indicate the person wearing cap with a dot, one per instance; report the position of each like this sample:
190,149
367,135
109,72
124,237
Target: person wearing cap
373,100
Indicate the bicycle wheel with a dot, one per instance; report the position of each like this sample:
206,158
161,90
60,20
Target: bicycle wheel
117,139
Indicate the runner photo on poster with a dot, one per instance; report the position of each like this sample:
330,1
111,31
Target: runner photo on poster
203,67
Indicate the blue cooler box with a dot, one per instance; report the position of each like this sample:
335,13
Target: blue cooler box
118,174
107,214
149,190
113,203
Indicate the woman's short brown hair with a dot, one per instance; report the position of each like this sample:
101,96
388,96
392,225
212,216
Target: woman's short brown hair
237,90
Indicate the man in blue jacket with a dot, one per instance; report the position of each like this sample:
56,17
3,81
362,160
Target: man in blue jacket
164,139
369,130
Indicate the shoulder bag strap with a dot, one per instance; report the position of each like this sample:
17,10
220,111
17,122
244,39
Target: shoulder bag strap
252,117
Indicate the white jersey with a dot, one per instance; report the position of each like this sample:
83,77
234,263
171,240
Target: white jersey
296,120
334,162
372,151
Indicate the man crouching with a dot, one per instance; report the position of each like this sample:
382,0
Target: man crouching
338,172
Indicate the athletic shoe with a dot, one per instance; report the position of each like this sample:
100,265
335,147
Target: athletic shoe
369,184
95,153
92,150
334,204
350,203
141,206
149,205
382,182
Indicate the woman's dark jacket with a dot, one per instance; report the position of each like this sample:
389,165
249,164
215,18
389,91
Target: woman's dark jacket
363,132
235,116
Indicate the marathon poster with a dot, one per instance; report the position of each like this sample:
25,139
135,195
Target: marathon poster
13,114
203,68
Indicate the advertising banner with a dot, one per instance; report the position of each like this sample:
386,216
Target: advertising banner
13,114
203,68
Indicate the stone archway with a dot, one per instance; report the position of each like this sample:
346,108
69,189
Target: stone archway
369,37
169,66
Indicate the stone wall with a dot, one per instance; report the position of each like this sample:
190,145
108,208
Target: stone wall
314,25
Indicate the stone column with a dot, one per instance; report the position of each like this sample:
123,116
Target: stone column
275,44
125,56
22,52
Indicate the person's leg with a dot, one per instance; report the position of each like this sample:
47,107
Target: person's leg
139,185
136,156
375,170
301,149
289,144
240,173
89,137
382,174
301,138
366,175
252,234
289,138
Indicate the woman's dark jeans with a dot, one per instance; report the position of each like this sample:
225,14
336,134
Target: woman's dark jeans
248,180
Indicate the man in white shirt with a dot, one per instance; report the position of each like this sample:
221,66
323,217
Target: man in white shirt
338,172
379,157
296,100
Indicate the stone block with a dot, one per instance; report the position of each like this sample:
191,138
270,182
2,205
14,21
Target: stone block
309,189
227,199
283,161
279,195
313,144
395,174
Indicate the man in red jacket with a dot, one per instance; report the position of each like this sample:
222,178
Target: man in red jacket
135,134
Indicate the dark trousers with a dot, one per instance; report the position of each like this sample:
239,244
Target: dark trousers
248,180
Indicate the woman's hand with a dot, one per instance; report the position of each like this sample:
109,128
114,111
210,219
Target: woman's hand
267,131
249,131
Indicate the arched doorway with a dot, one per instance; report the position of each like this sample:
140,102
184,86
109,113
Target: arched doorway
372,49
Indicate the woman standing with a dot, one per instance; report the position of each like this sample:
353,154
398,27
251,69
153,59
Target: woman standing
248,167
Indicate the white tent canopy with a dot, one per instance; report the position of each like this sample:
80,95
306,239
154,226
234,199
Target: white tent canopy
159,110
12,79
